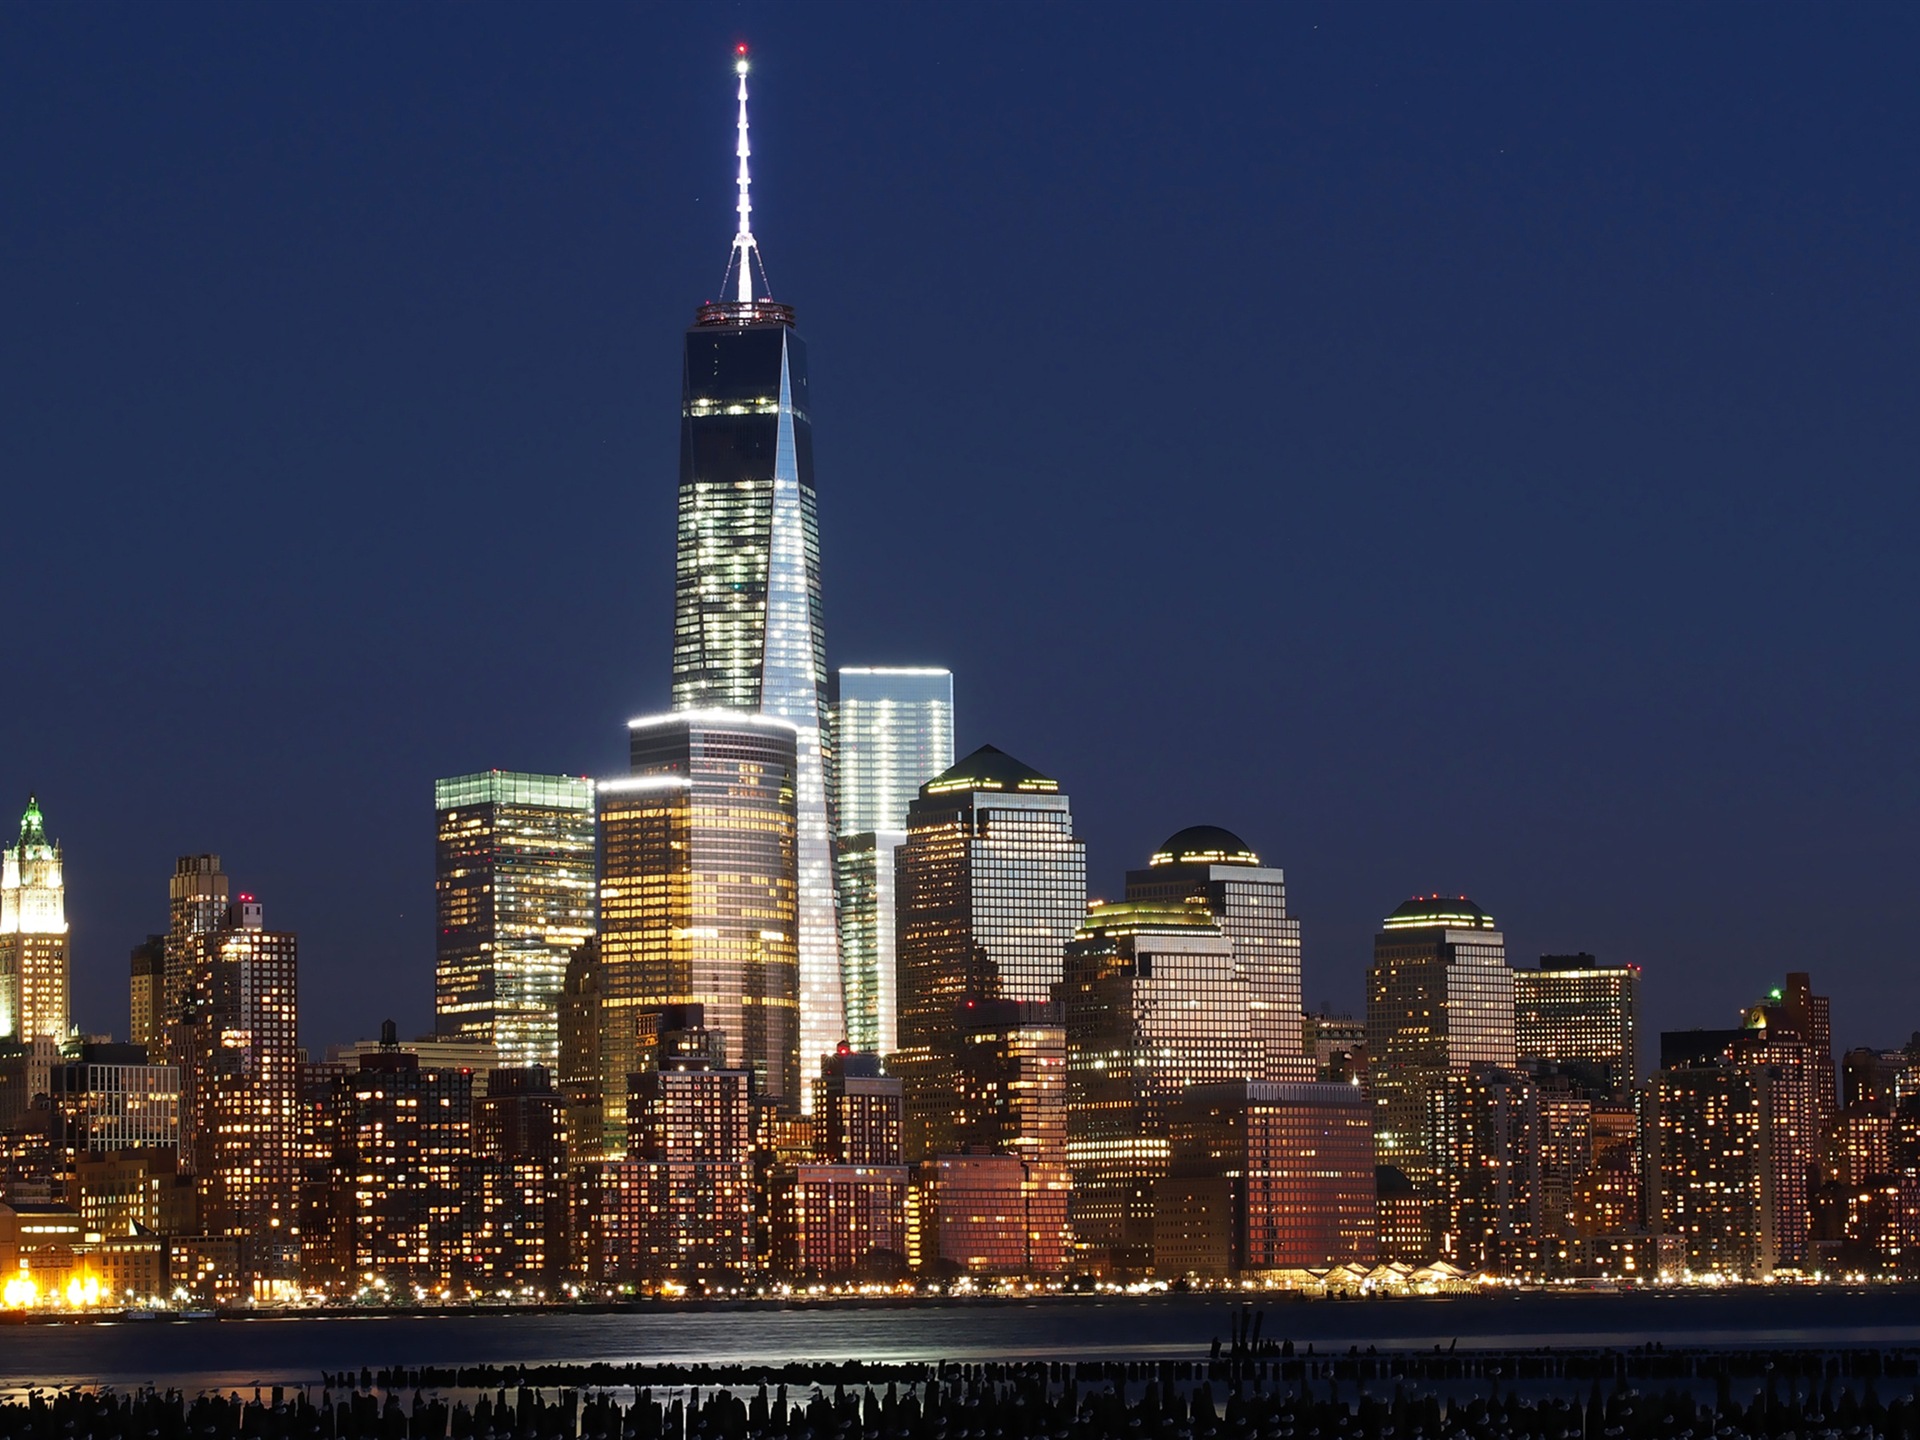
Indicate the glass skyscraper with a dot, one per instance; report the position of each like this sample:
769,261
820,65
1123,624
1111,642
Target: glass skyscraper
1582,1015
697,899
893,729
513,891
1439,1002
1204,864
747,630
991,886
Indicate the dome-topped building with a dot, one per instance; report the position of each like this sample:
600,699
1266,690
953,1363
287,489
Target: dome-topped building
1438,912
1212,868
1204,845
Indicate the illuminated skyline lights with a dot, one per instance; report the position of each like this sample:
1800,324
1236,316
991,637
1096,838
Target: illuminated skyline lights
748,634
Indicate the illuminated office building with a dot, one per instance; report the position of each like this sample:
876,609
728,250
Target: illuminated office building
991,886
1152,1002
840,1222
109,1098
698,901
1439,1002
1009,1092
1248,900
513,898
747,628
987,1215
242,1085
196,905
35,989
1266,1176
146,995
894,732
1584,1017
864,872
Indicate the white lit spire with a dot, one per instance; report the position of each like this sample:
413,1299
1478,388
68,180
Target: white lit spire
745,252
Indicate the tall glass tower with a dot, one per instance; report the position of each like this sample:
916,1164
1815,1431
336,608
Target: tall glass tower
747,632
893,732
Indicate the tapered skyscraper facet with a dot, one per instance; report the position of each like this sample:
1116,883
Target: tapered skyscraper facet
747,629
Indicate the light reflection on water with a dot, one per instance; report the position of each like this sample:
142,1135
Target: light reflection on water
227,1354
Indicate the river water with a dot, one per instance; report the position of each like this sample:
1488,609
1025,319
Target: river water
238,1354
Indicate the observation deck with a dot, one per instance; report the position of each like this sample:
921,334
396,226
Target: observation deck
744,312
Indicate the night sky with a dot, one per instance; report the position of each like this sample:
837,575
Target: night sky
1462,447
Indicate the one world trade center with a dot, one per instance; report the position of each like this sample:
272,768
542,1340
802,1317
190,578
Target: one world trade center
747,633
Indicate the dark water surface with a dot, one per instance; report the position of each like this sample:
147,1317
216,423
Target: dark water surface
224,1354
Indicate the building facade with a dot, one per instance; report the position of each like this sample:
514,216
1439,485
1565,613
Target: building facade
1152,1002
1439,1002
1207,865
894,731
35,987
513,899
1266,1176
747,629
1584,1017
699,898
991,884
242,1085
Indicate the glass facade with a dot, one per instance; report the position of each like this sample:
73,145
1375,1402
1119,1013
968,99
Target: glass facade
748,634
1152,1002
697,898
514,897
1439,1002
1249,903
196,905
991,884
893,732
864,871
35,987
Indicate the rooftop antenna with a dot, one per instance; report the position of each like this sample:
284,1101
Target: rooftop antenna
745,251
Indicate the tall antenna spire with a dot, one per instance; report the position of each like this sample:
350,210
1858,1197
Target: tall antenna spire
745,252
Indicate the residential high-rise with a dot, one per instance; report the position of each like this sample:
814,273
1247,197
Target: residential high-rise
1584,1017
747,629
1795,1009
893,730
1215,867
861,1112
698,900
1485,1141
514,897
991,884
35,990
1710,1168
516,1190
1153,1002
1439,1002
242,1090
146,995
196,905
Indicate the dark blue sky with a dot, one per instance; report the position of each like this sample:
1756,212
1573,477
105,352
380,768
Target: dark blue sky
1455,447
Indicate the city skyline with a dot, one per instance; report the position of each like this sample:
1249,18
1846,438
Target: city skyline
1592,886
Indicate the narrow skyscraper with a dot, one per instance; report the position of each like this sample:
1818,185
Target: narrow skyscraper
35,991
513,891
894,732
747,630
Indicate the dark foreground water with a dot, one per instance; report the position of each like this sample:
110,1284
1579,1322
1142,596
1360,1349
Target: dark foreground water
228,1354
